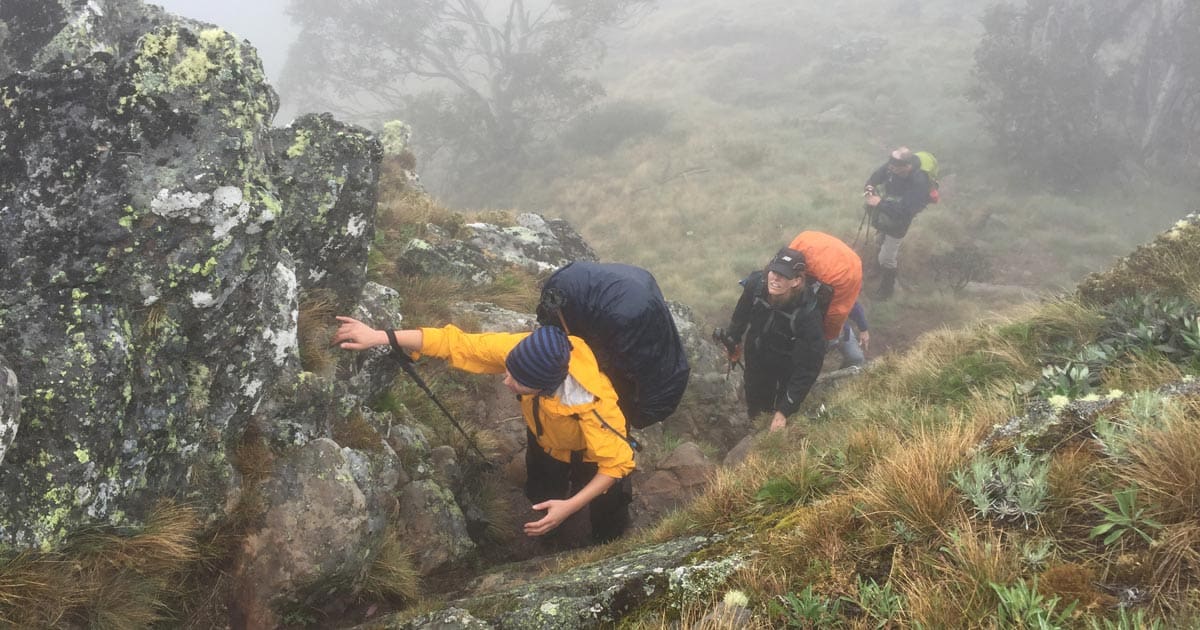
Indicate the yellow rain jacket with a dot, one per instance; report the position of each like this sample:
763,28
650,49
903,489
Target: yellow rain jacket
564,428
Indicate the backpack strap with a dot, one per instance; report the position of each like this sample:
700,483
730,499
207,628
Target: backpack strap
633,444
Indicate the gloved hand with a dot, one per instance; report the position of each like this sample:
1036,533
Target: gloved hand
733,349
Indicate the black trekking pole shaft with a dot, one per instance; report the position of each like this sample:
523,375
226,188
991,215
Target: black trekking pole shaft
861,223
406,363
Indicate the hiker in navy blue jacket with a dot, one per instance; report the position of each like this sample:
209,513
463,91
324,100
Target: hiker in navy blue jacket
896,192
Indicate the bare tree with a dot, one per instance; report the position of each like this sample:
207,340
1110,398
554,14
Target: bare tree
479,80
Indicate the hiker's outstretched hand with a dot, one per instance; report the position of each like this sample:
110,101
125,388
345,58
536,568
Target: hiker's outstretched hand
557,511
355,335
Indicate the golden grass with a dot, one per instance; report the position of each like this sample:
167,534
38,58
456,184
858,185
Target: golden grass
314,328
932,601
912,485
392,576
427,300
354,431
864,447
1141,373
405,208
1073,582
1175,565
814,542
516,290
952,588
1069,487
1166,465
487,493
976,556
103,578
730,495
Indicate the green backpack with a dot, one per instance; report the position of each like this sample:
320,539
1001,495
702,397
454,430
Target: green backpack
929,164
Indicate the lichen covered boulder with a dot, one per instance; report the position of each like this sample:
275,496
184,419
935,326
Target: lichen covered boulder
317,524
149,301
10,407
597,595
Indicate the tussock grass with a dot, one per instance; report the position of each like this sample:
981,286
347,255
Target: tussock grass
1166,465
912,485
1142,373
724,502
354,431
502,522
1173,561
102,577
427,300
315,326
392,576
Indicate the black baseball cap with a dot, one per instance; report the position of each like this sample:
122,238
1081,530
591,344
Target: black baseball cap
788,263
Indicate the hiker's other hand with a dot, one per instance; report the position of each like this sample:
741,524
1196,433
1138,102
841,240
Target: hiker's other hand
873,200
778,422
557,511
355,335
864,340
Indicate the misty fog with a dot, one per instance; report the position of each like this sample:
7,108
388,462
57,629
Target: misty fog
722,128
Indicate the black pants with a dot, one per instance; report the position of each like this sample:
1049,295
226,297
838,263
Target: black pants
547,478
766,379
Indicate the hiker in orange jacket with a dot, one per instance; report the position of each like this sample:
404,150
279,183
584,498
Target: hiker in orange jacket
833,263
577,452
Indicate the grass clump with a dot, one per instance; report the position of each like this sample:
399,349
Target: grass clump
104,577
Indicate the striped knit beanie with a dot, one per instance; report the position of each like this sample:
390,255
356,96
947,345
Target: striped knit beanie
540,360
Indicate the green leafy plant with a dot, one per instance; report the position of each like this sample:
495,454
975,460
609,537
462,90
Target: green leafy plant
1022,606
1127,517
878,602
1035,552
1127,620
1073,380
1003,488
807,610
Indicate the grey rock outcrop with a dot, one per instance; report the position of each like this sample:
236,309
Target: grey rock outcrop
536,244
683,474
153,239
10,407
318,521
591,596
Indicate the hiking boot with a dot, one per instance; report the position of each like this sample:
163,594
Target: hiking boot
887,284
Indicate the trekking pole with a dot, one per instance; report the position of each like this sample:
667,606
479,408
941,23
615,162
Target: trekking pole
859,233
406,364
869,190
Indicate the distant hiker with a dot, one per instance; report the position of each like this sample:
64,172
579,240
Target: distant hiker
784,346
895,193
577,452
835,265
853,347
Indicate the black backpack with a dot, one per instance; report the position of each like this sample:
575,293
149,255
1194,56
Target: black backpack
622,315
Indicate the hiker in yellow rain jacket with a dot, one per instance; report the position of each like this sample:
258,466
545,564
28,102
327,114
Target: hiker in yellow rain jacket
578,452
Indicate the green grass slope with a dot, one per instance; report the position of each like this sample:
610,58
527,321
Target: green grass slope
1038,469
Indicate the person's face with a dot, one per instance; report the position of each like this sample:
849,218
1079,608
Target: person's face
515,387
780,285
899,170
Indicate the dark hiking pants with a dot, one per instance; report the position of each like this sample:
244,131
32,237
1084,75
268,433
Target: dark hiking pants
547,478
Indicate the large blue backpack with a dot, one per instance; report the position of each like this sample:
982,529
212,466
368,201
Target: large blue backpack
622,315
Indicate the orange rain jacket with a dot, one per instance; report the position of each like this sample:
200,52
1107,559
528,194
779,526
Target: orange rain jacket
564,428
832,262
